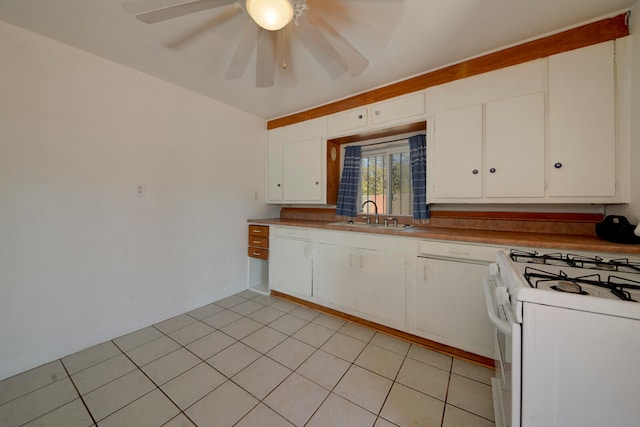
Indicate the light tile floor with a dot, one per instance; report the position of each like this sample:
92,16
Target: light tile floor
251,360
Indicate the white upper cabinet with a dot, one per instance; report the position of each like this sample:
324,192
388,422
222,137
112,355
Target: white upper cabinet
582,123
514,147
457,148
409,108
296,163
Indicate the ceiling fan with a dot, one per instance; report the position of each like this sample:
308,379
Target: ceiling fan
277,21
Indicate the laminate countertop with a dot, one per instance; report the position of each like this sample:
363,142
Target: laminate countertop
503,238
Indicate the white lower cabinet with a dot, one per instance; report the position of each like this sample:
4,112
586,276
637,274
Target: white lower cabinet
363,281
449,304
291,265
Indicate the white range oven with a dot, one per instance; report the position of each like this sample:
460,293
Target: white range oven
567,336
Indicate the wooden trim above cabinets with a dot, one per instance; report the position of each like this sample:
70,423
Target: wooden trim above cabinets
575,38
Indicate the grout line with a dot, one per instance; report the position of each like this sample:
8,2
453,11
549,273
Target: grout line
79,394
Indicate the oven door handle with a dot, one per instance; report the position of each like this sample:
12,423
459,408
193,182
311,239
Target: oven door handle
502,326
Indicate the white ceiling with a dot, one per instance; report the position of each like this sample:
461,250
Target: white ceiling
401,38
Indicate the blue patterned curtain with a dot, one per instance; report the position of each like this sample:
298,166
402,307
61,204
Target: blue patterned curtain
348,191
418,154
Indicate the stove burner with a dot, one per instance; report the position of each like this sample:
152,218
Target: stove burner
569,287
622,265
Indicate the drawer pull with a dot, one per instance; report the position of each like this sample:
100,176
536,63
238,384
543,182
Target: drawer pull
257,230
255,241
458,252
256,253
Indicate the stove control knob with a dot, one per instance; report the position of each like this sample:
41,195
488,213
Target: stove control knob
502,296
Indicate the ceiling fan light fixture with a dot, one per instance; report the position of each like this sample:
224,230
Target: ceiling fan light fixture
271,15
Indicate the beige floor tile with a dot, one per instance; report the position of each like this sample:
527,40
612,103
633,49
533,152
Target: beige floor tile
381,422
37,403
233,359
152,350
205,311
296,399
288,324
31,380
336,411
379,360
222,319
262,416
211,344
343,346
90,356
247,307
261,377
265,299
222,407
407,407
170,366
175,323
324,369
471,395
283,305
179,421
455,417
328,321
291,353
391,343
190,333
430,357
231,301
313,334
152,409
241,328
364,388
248,294
137,338
424,378
470,370
102,373
264,339
266,315
73,414
305,313
109,398
356,331
192,385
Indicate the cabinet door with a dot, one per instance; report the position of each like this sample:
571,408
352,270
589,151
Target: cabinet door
457,155
582,122
450,306
302,170
290,266
382,285
348,120
335,275
274,170
514,147
398,109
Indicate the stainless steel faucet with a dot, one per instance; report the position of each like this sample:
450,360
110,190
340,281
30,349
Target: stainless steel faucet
375,207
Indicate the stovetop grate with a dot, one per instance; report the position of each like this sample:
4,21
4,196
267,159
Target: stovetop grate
621,265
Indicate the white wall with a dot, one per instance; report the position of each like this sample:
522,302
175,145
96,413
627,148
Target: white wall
82,258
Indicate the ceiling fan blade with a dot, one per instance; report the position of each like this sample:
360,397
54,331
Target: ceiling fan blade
266,58
354,61
320,47
243,52
188,36
181,9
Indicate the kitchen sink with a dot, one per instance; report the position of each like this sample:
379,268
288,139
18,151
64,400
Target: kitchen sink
348,224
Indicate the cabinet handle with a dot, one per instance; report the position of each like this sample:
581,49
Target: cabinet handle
278,185
255,253
317,183
557,165
255,242
361,261
475,171
360,116
257,231
492,170
306,252
377,112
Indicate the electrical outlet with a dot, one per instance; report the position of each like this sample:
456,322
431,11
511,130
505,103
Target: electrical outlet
139,190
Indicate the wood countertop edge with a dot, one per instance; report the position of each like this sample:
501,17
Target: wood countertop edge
506,238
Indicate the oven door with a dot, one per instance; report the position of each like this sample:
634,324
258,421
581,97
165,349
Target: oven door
506,384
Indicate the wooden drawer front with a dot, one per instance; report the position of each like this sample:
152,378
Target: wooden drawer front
259,253
259,230
258,241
